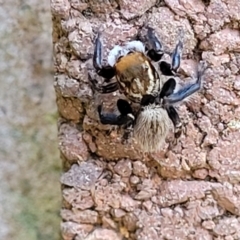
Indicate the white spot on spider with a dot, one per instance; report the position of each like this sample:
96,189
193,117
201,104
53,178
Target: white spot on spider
135,46
145,66
114,54
120,51
152,82
131,116
138,86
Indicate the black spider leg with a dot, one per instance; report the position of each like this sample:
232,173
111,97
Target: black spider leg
125,119
188,89
107,72
156,49
171,69
173,115
167,90
108,88
126,116
183,93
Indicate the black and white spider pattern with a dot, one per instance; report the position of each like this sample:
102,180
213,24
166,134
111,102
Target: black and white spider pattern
138,79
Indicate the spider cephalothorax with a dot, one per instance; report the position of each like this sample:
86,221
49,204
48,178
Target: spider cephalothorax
140,82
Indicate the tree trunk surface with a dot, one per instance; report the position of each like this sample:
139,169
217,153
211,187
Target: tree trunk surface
110,189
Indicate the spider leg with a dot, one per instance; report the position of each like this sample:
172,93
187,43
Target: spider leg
178,128
156,48
106,72
188,89
171,69
176,56
168,88
126,116
107,88
173,115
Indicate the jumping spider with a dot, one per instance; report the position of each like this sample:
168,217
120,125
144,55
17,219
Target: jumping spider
140,82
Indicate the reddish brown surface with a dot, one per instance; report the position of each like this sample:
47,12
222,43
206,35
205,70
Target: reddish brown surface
113,191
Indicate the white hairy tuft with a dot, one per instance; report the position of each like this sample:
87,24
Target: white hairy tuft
120,51
135,46
115,54
152,127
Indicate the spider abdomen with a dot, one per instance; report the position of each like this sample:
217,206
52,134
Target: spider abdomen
152,126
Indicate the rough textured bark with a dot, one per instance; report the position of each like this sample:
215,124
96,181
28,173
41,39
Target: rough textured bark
113,191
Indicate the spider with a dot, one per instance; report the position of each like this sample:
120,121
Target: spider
140,82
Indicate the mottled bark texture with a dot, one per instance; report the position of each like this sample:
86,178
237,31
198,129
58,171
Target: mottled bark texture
111,190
